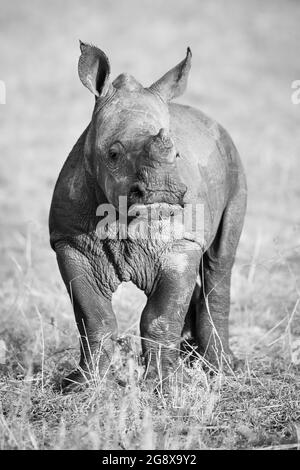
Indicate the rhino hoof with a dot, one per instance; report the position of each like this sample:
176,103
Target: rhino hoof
165,386
238,364
77,381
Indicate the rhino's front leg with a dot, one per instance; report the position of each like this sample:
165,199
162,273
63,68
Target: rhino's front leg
163,316
94,315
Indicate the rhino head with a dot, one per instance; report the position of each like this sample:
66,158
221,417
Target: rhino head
129,148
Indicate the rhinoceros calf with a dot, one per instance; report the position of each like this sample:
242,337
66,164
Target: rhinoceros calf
159,156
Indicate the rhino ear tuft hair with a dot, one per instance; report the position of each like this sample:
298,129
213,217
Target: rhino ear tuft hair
94,70
174,82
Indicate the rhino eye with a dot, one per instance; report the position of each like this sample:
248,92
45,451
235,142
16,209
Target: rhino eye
115,152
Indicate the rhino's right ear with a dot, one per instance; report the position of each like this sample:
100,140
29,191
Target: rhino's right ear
94,70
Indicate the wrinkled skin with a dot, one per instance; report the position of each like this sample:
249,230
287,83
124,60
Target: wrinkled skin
158,153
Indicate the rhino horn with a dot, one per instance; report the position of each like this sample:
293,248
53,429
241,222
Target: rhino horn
162,147
164,137
94,70
174,82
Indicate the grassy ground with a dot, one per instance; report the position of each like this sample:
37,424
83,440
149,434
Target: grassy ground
244,60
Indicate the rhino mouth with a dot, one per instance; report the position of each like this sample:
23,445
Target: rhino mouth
161,220
155,211
154,197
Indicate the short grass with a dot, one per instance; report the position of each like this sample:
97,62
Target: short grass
244,60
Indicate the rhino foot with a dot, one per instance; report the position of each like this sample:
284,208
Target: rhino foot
228,362
165,385
238,363
76,381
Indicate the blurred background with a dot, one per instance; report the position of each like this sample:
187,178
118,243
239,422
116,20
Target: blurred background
245,58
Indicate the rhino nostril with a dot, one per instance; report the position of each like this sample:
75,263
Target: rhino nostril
137,191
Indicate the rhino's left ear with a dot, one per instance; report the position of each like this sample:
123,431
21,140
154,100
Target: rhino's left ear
94,70
174,82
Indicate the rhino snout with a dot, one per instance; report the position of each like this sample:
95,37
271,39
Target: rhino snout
140,193
137,193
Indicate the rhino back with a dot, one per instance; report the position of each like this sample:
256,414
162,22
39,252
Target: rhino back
203,143
209,163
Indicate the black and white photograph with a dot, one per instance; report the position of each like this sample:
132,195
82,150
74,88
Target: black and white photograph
149,227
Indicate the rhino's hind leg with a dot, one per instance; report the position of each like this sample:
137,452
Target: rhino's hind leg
94,316
189,346
212,329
